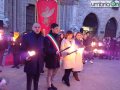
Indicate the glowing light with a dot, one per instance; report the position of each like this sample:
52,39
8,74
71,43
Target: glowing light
80,50
0,36
95,50
72,48
14,39
20,44
31,53
100,51
93,44
100,44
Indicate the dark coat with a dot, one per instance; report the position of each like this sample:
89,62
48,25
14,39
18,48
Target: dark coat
112,45
15,48
87,43
3,43
33,42
117,46
52,60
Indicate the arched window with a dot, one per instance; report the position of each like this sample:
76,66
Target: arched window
111,28
90,24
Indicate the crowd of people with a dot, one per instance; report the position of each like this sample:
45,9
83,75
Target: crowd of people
72,48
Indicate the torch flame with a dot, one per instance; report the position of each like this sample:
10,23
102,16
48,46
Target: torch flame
31,53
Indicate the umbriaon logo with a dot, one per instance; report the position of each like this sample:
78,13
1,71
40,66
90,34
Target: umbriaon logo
104,3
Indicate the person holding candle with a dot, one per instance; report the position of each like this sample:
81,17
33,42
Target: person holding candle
32,53
68,60
87,43
3,45
52,59
15,48
78,59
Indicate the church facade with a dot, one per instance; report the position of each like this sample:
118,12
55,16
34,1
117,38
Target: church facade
72,15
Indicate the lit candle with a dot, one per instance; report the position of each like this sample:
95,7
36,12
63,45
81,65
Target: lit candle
80,50
14,39
31,53
0,36
93,44
72,48
100,44
100,51
95,50
20,44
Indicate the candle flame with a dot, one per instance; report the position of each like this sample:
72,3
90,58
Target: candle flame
100,44
93,44
0,35
31,53
14,39
100,51
95,50
72,48
80,50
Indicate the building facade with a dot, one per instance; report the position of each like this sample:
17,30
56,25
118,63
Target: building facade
72,15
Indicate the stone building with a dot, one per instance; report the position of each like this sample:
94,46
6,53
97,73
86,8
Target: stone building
74,14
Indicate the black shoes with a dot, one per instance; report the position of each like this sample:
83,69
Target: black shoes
1,65
50,88
66,82
53,87
117,58
15,67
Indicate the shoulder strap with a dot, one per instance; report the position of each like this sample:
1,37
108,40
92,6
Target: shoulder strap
53,41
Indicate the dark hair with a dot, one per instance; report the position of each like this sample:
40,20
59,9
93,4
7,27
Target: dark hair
68,33
24,33
87,32
78,33
81,30
53,25
11,32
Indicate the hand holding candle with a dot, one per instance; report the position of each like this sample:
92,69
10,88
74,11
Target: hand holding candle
31,53
80,50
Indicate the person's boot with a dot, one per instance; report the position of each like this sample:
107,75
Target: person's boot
76,76
66,81
13,66
50,88
53,87
17,67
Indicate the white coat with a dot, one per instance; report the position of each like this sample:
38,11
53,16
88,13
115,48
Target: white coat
78,61
68,60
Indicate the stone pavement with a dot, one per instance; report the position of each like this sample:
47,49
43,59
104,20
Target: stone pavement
102,75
